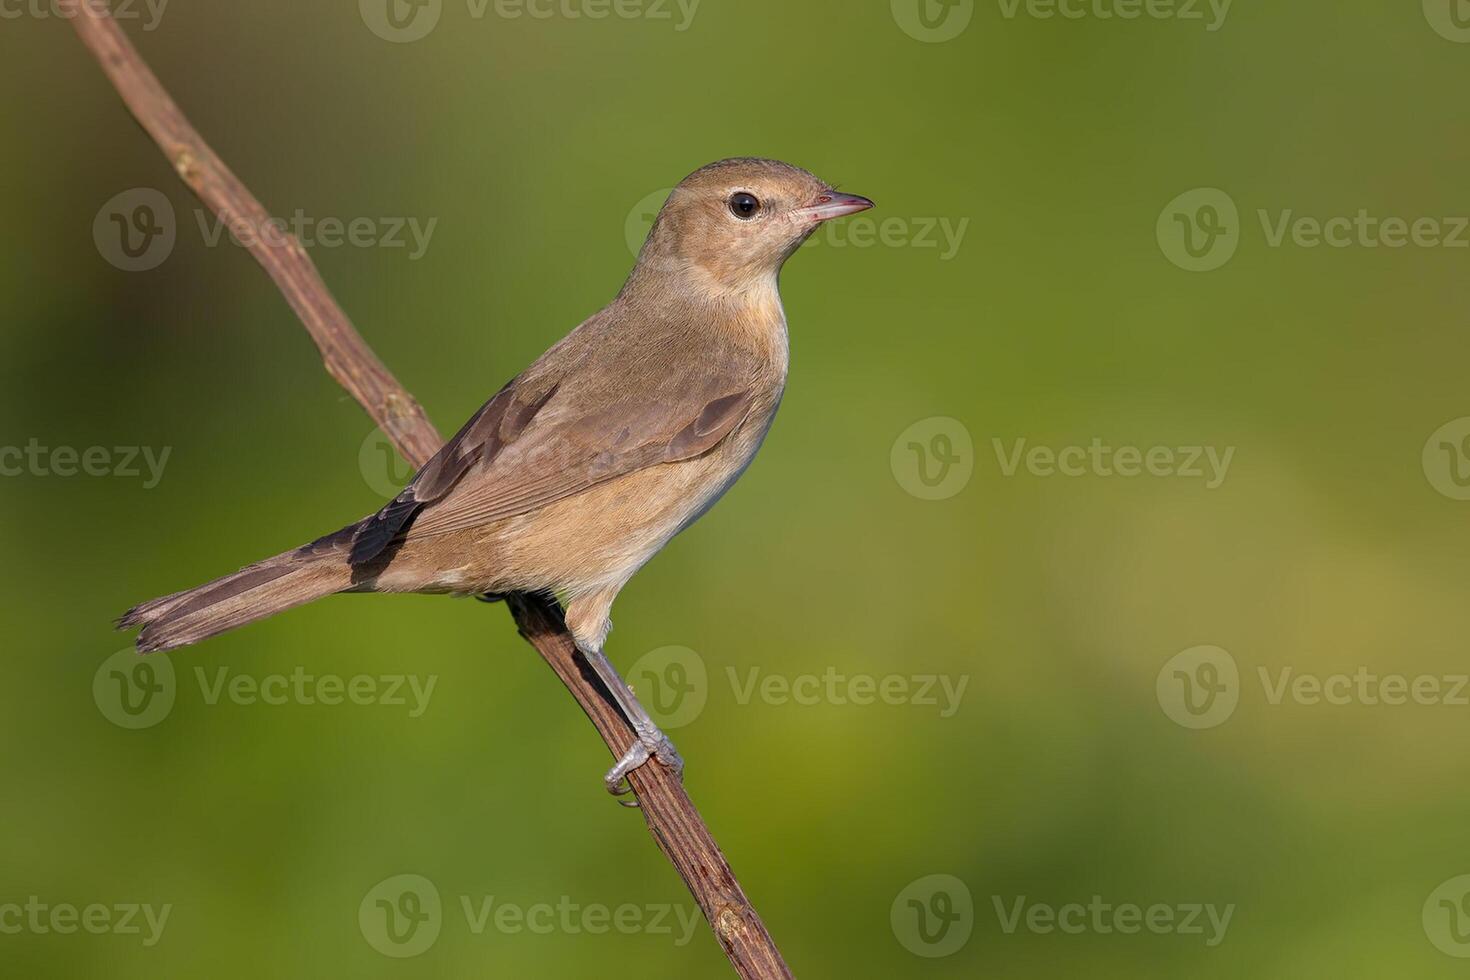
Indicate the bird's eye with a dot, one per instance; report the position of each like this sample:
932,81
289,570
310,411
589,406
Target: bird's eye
744,206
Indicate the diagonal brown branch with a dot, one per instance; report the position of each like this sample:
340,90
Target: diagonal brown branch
674,822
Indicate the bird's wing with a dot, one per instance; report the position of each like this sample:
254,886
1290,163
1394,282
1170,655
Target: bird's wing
538,441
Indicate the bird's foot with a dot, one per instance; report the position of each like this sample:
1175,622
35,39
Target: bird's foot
651,744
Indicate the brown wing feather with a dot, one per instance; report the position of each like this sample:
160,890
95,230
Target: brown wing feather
555,460
567,424
497,424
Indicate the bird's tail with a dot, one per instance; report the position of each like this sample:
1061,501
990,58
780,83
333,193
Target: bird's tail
263,589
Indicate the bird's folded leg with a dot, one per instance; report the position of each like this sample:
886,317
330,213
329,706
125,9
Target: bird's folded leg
652,743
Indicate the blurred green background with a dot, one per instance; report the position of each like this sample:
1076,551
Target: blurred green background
1058,313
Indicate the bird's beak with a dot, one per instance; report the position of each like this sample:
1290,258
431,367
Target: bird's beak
834,205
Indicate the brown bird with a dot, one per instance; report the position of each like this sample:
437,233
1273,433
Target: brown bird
585,465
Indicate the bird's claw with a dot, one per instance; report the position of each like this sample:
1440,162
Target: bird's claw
651,744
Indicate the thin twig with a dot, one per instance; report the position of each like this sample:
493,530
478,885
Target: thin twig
672,818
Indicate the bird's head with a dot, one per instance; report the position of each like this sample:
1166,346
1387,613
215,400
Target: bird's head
727,229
